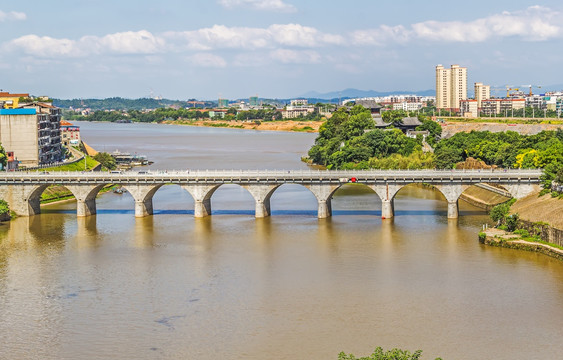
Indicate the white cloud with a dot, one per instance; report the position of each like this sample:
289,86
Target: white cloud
288,56
265,5
12,15
536,23
220,36
380,36
45,46
207,60
130,42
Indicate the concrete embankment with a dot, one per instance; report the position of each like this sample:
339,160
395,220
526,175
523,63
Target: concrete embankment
452,128
500,238
482,197
542,218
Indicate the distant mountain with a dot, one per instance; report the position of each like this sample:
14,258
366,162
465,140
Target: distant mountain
118,103
355,93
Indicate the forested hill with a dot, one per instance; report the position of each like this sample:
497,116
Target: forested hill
118,103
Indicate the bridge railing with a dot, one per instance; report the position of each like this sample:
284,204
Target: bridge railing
272,173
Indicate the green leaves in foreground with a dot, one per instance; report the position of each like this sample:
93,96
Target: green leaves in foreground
380,354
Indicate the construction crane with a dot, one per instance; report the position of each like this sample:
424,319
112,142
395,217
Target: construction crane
509,89
530,86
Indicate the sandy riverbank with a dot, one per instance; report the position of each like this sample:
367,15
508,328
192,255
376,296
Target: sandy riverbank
288,125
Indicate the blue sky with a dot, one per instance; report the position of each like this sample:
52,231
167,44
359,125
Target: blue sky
271,48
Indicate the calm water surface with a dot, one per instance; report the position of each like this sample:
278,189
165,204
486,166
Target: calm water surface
285,287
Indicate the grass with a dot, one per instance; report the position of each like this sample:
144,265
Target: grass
535,239
56,193
77,166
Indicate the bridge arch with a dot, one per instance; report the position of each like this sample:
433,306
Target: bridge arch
85,196
282,193
203,193
368,199
32,198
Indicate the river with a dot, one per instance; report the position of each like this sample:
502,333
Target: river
289,286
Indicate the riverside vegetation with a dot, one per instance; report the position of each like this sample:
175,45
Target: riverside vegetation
348,140
380,354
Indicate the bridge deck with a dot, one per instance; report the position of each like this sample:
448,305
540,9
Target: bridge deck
272,176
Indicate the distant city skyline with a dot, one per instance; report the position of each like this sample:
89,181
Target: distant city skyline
271,48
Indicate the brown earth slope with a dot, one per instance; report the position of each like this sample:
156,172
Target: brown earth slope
544,208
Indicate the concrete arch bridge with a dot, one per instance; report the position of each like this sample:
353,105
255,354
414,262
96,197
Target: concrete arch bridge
22,190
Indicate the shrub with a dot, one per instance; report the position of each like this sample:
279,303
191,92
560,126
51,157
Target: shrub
4,208
380,354
543,192
512,221
522,232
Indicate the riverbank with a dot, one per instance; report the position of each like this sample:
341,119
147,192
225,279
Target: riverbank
539,227
286,125
501,238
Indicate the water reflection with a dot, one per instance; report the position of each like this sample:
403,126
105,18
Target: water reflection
231,286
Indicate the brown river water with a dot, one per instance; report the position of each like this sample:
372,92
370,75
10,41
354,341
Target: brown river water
289,286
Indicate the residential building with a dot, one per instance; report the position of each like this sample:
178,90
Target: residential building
490,107
217,113
536,101
407,106
482,92
223,103
443,82
292,112
299,102
32,133
253,101
10,101
501,106
451,87
469,108
70,134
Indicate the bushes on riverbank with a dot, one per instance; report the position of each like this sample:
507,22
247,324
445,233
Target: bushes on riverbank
4,208
380,354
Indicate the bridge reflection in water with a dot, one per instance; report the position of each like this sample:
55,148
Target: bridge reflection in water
22,190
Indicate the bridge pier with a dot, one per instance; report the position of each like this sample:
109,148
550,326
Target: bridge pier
143,195
85,198
452,192
261,195
387,194
202,198
323,193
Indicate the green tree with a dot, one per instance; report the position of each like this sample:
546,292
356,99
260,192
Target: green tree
380,354
3,157
394,117
106,160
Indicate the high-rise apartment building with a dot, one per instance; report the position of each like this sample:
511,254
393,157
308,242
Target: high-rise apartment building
32,133
451,86
482,92
442,87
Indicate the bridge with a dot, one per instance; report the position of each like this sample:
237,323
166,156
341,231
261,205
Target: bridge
22,190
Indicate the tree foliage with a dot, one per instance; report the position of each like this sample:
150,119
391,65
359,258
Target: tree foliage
3,157
380,354
505,149
106,160
348,141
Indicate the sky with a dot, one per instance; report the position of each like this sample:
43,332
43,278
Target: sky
232,49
